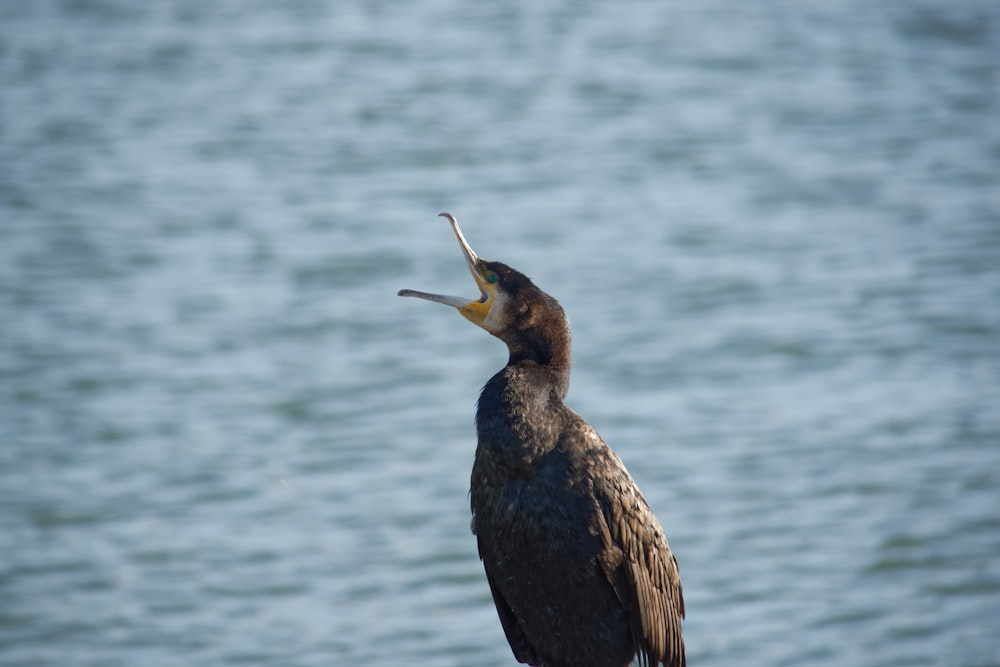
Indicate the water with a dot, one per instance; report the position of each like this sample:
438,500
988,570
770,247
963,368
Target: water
224,440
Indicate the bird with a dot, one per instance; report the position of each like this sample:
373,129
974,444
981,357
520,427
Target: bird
576,561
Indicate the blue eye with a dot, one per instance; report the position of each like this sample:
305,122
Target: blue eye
492,278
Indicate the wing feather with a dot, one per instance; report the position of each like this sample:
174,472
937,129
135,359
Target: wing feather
639,565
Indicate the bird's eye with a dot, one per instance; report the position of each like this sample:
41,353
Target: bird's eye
492,278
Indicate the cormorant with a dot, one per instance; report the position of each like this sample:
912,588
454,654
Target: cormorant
577,563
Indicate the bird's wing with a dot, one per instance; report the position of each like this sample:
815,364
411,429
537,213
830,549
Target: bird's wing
524,652
641,568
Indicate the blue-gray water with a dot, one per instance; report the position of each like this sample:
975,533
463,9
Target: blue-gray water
775,226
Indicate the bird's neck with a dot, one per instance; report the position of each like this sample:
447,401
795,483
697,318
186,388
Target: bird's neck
520,412
546,352
535,381
548,368
521,407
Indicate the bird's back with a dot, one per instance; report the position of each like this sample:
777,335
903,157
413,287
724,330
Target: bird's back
536,533
553,508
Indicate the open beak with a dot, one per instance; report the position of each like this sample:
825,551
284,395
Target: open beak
475,310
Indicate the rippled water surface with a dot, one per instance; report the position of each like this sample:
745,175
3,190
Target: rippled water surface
775,226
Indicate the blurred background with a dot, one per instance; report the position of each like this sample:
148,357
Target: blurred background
775,226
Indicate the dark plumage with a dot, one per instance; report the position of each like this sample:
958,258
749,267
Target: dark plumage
577,563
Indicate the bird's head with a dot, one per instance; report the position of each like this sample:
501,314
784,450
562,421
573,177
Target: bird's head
484,310
509,306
